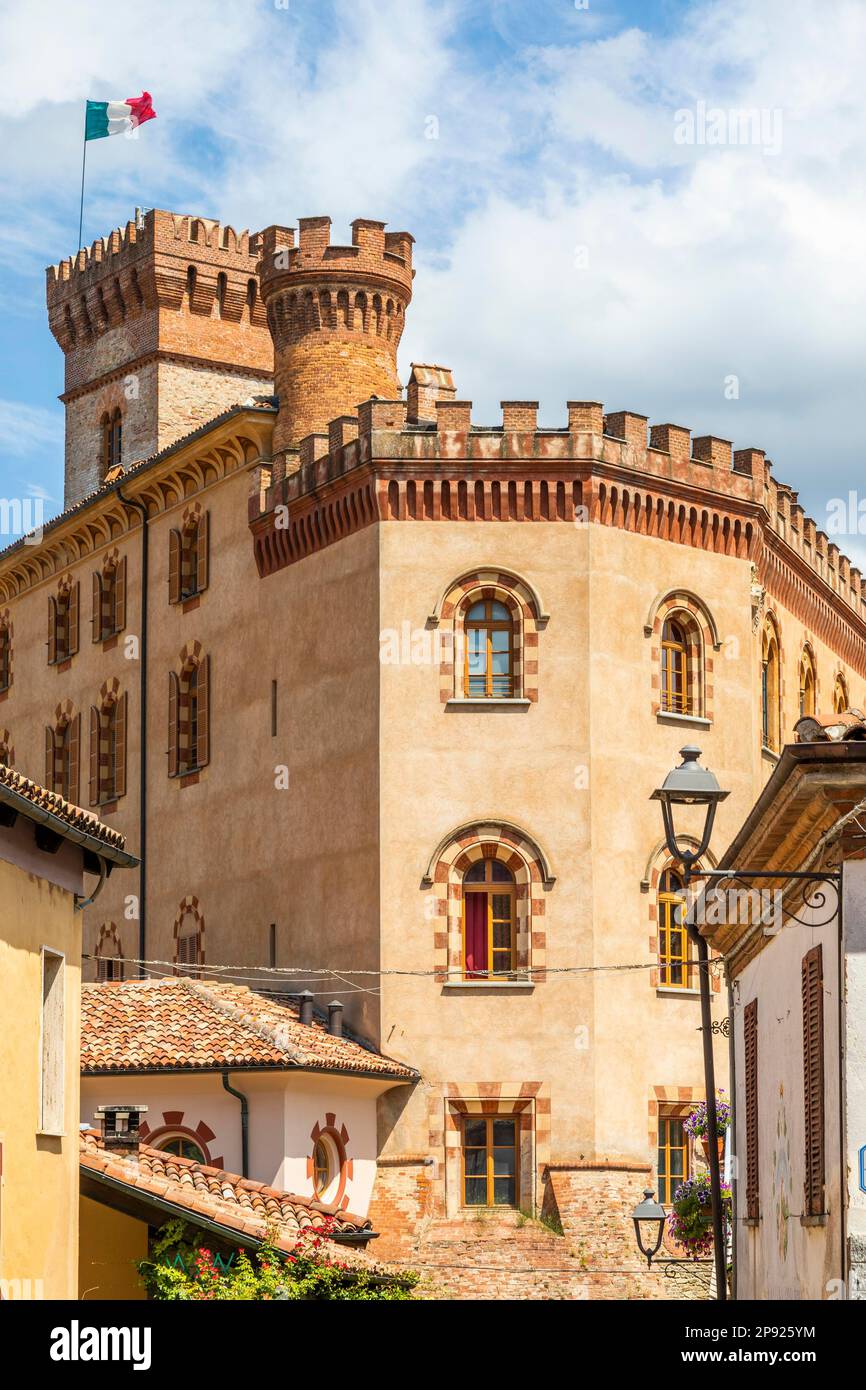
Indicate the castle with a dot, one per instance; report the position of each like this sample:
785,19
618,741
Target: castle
378,690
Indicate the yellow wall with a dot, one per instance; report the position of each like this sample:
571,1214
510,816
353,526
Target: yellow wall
39,1196
111,1243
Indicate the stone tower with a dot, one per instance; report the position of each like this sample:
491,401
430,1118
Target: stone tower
162,327
336,314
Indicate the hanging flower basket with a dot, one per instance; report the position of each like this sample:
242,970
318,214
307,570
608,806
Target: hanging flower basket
696,1122
690,1220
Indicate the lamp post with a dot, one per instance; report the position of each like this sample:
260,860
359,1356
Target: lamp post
648,1215
693,785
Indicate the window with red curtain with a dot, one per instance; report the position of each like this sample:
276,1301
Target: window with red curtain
488,920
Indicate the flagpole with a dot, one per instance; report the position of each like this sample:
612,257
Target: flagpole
83,163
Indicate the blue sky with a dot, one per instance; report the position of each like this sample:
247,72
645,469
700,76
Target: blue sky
568,246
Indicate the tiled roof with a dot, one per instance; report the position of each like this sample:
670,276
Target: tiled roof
848,726
14,789
180,1024
244,1208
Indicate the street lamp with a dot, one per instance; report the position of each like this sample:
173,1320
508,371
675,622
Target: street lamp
693,785
646,1216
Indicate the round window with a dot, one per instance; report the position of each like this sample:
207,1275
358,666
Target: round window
182,1148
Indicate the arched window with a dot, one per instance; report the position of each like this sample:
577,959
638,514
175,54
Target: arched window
188,944
188,556
108,615
489,920
189,717
770,689
675,950
63,623
109,955
181,1147
108,748
222,286
112,439
62,744
840,695
488,669
807,685
5,656
322,1169
675,669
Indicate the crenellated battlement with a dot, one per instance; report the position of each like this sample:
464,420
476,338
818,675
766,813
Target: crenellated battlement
336,315
159,261
431,462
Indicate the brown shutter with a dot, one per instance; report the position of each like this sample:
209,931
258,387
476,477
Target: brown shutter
52,630
813,1078
202,750
174,556
96,615
73,742
72,643
94,755
49,758
120,746
173,692
120,596
750,1039
202,552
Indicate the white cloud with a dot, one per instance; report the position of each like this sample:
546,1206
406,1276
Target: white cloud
26,430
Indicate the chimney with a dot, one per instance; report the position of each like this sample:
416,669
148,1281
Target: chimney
305,999
120,1125
335,1018
427,385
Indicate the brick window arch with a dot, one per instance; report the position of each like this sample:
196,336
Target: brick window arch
188,936
684,636
189,713
109,954
329,1168
459,855
108,723
489,622
189,555
63,752
173,1129
5,652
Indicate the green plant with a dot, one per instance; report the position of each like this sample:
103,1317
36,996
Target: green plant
690,1217
182,1268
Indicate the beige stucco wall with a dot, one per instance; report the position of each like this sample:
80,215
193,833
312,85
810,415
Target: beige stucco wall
39,1186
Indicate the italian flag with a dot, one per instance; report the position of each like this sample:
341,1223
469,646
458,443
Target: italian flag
115,117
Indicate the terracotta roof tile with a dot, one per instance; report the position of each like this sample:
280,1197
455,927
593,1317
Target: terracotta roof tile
846,727
15,786
180,1024
224,1198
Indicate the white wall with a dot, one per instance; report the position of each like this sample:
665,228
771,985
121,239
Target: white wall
854,917
781,1257
283,1112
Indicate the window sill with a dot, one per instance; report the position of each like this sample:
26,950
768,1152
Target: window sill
820,1220
487,702
51,1134
665,716
678,991
105,808
489,984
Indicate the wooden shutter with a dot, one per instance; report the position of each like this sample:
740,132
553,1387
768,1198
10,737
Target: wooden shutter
202,552
52,630
5,645
49,758
202,749
120,746
96,615
813,1078
73,743
120,596
72,615
94,755
175,546
173,699
750,1039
